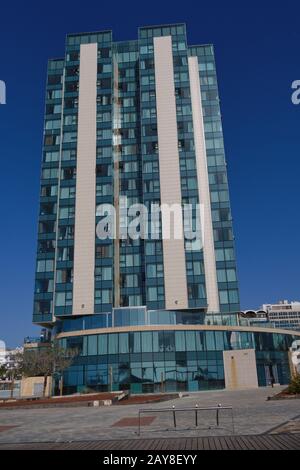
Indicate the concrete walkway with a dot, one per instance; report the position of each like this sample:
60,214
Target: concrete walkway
253,415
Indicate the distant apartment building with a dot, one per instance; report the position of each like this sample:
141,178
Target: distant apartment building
2,353
8,357
9,388
284,314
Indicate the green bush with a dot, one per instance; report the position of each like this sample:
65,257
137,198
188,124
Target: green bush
294,387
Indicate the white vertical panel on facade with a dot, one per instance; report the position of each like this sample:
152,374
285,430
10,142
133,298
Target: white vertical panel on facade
84,248
170,189
203,188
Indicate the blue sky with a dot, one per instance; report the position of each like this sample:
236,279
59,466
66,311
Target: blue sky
257,53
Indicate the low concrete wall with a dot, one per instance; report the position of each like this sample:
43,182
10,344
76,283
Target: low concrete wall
33,386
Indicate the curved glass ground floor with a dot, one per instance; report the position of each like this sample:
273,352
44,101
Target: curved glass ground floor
147,359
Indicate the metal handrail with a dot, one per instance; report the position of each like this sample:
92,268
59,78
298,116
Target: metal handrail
196,408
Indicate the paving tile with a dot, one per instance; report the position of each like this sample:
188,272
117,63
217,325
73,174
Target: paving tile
126,422
6,428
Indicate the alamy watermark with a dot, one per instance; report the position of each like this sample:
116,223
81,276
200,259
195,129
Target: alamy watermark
165,221
296,94
2,92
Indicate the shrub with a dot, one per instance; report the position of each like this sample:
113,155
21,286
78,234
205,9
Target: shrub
294,387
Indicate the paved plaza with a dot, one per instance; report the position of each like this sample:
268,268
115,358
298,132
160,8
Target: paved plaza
253,415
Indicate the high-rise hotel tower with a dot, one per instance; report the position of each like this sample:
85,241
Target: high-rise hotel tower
140,119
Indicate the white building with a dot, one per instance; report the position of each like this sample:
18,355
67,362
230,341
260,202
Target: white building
2,353
284,314
8,356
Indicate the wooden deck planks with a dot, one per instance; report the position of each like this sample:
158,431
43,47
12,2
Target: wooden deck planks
250,442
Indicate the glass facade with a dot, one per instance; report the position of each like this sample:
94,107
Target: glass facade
164,361
128,272
135,316
127,279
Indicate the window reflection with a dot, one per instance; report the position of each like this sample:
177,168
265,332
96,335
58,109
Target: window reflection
161,361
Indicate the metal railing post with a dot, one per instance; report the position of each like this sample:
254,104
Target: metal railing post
174,416
219,406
